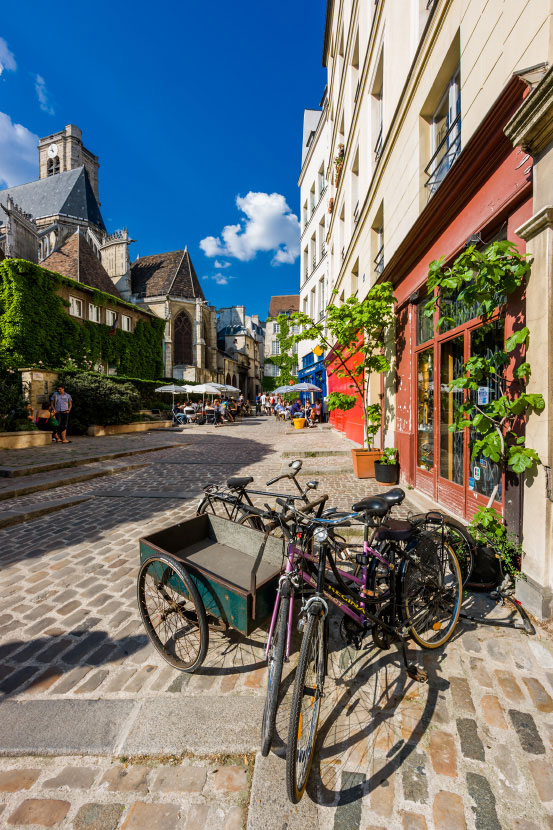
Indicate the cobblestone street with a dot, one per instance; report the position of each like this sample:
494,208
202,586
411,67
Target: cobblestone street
98,733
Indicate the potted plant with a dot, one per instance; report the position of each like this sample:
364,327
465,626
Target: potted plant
386,469
355,333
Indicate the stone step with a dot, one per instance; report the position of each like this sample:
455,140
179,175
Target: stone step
45,481
33,511
315,454
31,469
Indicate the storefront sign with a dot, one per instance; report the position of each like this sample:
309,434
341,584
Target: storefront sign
483,395
476,472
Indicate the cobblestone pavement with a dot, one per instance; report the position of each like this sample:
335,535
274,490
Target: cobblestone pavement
470,749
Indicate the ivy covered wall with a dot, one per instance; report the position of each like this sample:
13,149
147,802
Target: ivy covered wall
36,329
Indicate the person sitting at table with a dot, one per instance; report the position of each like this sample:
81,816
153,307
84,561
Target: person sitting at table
296,411
317,412
227,414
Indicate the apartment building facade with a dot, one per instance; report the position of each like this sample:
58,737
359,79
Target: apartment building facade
423,158
314,285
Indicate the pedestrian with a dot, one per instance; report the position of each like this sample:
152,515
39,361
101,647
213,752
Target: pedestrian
62,404
264,403
258,403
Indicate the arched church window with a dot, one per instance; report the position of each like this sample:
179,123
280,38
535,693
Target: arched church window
234,381
53,166
227,381
183,351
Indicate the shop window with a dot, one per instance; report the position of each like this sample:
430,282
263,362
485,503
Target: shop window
486,341
452,356
425,408
425,325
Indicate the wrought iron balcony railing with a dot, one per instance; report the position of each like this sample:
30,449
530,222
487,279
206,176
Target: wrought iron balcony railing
378,145
444,157
379,261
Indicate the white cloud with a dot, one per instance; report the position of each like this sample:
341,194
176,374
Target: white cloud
43,95
219,279
18,153
269,226
220,265
7,60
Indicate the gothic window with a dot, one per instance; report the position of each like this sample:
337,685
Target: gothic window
182,340
227,381
53,166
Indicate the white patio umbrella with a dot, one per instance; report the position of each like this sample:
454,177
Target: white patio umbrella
173,389
224,387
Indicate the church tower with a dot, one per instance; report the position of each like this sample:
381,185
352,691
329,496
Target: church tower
65,151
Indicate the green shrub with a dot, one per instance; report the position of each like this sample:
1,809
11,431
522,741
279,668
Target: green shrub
12,403
98,399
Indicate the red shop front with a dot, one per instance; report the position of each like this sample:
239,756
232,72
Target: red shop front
485,196
350,422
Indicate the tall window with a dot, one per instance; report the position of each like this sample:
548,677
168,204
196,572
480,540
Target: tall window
275,347
53,166
183,352
377,110
445,134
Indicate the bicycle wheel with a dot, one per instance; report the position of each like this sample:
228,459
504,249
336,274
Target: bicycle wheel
275,664
455,537
172,612
249,520
306,702
215,506
432,593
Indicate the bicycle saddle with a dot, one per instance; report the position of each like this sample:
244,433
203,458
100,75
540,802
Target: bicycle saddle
394,496
236,482
371,504
395,530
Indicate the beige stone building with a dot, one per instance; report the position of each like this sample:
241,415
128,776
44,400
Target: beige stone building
167,285
433,141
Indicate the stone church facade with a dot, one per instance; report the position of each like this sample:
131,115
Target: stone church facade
51,222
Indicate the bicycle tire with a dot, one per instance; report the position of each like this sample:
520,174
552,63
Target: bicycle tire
165,590
457,538
274,675
432,593
215,507
313,659
249,520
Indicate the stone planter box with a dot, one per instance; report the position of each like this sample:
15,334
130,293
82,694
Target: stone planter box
22,440
118,429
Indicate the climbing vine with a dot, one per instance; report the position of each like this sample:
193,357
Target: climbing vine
286,360
36,329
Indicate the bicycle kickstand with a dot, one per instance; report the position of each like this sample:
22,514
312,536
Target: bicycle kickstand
412,670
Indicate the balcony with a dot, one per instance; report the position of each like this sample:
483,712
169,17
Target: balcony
444,157
378,145
379,261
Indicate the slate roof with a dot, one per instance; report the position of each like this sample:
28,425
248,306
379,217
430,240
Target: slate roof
162,274
281,303
68,193
77,260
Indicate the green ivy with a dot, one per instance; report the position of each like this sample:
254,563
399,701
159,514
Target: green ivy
286,360
37,330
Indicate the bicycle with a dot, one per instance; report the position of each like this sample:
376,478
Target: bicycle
233,501
416,587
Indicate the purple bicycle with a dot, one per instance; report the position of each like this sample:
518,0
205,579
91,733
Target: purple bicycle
402,585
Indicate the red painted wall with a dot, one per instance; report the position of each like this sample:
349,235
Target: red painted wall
350,422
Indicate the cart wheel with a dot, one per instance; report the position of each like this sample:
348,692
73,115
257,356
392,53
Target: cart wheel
172,612
252,521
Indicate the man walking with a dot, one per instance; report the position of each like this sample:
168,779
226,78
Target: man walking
61,403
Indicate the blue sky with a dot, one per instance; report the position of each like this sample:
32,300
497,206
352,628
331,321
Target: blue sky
195,111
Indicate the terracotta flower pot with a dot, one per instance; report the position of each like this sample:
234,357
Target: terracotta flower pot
363,462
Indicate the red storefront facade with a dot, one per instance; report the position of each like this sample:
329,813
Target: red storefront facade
486,195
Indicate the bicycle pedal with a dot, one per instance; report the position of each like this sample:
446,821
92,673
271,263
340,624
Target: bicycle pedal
417,674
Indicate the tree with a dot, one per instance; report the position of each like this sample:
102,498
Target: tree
482,281
355,332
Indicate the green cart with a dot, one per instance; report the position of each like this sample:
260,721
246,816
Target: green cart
205,571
